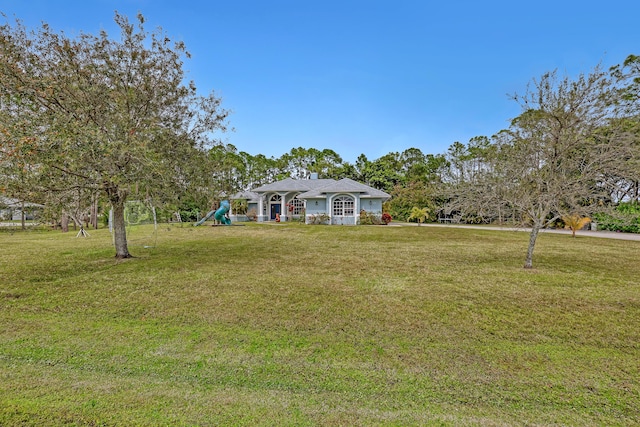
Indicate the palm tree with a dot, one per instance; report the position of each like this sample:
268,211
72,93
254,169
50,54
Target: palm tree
575,222
419,214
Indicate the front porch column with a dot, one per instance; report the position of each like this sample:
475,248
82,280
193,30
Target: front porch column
283,208
261,209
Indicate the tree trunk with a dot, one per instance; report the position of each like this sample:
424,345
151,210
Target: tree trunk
22,217
528,263
64,223
119,230
94,212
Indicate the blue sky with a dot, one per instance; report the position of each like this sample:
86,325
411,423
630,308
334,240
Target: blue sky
366,76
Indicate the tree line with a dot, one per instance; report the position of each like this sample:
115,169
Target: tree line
95,118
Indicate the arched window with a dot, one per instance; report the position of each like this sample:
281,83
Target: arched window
296,206
343,206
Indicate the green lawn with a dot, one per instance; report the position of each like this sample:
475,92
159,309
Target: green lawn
280,325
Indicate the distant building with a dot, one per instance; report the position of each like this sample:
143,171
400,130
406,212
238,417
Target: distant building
319,200
11,209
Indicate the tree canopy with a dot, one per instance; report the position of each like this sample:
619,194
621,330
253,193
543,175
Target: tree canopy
92,113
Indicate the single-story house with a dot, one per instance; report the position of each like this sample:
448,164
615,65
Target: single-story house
319,200
11,209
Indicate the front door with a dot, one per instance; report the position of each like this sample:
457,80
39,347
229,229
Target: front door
275,209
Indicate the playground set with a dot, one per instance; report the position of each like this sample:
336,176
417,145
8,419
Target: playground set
219,214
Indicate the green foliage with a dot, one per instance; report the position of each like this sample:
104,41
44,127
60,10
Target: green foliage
405,198
419,214
100,114
300,162
625,219
384,173
239,206
191,211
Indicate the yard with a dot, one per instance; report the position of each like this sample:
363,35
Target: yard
319,325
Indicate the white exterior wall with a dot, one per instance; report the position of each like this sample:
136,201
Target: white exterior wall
315,207
371,205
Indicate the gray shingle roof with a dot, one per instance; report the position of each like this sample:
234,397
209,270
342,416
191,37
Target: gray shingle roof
317,188
346,185
15,203
291,184
248,195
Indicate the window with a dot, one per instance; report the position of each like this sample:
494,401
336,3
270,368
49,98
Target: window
296,206
343,206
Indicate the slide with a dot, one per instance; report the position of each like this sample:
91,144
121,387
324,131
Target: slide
218,215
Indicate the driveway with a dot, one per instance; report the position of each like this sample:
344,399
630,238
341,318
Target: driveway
586,233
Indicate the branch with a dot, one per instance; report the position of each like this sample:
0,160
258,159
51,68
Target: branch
69,172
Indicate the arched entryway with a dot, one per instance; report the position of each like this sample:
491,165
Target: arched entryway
275,206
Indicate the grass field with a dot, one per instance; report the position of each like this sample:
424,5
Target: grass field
293,325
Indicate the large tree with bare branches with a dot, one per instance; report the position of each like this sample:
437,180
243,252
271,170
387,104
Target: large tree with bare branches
102,114
553,159
560,148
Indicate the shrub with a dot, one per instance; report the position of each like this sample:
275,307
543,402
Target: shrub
322,218
370,218
252,214
239,206
302,217
626,218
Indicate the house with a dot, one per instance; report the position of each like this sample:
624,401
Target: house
319,200
12,209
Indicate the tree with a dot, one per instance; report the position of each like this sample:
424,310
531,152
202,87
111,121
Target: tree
550,162
627,78
419,214
113,116
15,167
298,162
227,168
575,223
405,197
258,170
472,186
301,162
383,173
